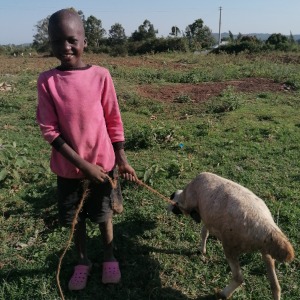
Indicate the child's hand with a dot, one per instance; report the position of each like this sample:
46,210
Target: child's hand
95,172
127,172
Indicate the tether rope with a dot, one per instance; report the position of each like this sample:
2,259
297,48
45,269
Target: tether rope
74,222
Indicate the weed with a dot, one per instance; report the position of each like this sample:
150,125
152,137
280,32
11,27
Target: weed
183,99
226,102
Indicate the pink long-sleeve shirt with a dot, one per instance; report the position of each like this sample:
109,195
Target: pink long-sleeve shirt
80,106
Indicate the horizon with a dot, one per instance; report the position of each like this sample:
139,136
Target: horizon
214,33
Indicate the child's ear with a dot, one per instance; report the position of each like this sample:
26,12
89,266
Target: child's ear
85,43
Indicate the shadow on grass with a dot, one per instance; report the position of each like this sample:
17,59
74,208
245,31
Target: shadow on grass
140,272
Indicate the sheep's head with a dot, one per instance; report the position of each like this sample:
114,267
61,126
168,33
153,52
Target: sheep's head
178,208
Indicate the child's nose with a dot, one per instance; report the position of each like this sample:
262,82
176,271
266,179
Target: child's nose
67,45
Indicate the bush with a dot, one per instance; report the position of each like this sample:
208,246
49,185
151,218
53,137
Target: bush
157,46
227,101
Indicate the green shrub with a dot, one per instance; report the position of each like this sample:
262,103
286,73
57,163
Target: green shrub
227,101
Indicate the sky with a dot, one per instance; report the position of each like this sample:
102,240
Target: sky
19,17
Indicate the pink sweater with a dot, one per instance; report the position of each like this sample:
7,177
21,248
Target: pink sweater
81,106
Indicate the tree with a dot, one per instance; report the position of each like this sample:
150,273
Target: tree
239,36
145,31
291,38
175,31
249,38
200,34
41,38
117,40
93,31
231,37
276,39
117,34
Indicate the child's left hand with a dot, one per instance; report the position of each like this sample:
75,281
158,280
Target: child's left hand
127,172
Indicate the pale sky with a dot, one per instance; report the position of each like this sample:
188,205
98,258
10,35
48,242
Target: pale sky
19,17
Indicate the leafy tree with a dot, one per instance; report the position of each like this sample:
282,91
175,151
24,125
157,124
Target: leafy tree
199,34
239,36
117,40
93,31
175,31
145,31
41,38
117,34
276,39
249,38
231,37
291,38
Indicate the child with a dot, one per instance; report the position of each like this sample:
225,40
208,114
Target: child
79,116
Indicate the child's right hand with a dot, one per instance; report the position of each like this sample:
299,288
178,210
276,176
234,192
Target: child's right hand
94,172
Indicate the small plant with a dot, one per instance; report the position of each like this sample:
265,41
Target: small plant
139,138
174,169
152,172
13,162
227,101
202,129
183,99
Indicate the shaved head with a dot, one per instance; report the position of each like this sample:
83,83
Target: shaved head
64,16
67,38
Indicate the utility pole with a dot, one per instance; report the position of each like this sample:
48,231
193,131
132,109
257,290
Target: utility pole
220,8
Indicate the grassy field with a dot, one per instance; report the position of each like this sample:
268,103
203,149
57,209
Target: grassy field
183,114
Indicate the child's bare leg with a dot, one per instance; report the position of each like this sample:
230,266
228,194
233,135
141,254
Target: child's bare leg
106,229
80,243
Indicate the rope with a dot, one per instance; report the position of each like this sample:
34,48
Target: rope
74,222
156,192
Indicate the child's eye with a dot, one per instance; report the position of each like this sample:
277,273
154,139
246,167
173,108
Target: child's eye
72,41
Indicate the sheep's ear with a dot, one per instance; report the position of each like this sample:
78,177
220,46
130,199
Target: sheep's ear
175,195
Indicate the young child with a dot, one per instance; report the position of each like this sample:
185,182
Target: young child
79,116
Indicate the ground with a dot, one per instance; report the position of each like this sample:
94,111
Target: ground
203,91
195,92
167,92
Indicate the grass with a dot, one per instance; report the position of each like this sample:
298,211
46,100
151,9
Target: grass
251,138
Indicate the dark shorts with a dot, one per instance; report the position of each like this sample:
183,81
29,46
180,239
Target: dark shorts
100,205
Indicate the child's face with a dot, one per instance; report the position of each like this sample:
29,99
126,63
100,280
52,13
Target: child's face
68,41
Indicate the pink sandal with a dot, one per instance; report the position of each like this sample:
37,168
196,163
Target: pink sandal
111,272
79,278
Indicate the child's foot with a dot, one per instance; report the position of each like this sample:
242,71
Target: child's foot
79,278
111,272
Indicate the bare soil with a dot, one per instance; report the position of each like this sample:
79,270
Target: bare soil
203,91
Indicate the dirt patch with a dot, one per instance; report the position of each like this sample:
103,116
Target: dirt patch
203,91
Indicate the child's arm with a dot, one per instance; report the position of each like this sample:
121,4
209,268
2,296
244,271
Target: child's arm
91,171
126,171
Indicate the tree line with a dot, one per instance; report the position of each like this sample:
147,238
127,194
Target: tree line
196,37
143,40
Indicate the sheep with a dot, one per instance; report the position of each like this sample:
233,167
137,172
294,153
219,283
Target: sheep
239,219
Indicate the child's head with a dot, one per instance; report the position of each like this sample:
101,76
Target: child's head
67,38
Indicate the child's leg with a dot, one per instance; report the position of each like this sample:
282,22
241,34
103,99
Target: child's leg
110,268
82,270
80,243
106,229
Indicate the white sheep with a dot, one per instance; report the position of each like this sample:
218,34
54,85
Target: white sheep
240,220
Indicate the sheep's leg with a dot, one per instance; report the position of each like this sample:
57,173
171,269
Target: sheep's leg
237,276
275,287
204,236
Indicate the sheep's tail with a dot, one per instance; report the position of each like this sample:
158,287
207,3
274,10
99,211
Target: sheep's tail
280,248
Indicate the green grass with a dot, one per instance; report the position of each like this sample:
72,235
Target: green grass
250,138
